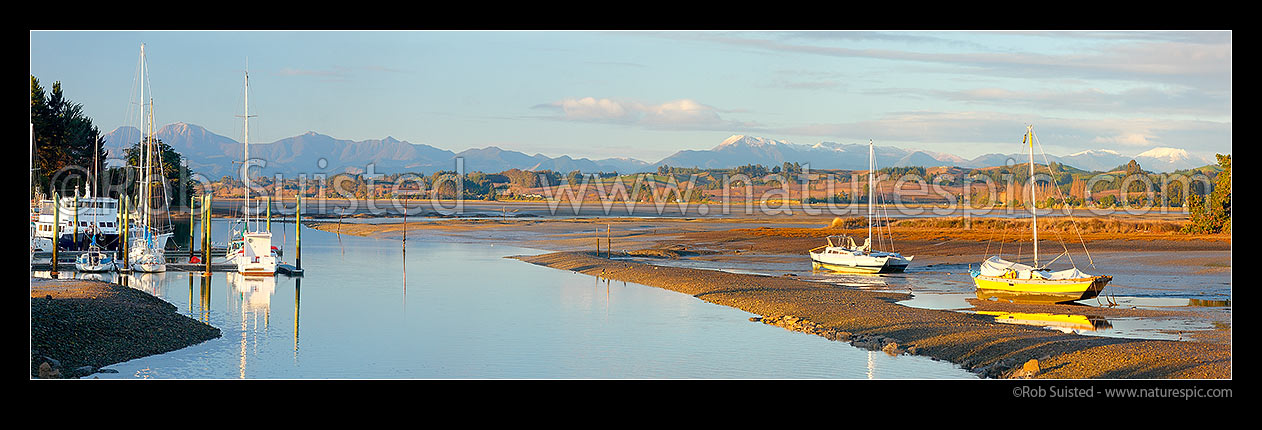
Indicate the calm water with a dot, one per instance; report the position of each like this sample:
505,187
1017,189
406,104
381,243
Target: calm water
459,310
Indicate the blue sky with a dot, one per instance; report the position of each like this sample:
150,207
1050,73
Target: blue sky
648,94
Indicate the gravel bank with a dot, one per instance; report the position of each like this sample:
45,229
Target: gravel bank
79,327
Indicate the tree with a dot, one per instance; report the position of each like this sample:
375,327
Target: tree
1212,214
174,173
65,140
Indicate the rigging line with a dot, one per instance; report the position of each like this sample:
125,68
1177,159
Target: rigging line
1070,213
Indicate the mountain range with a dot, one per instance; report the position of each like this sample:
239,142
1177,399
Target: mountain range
311,153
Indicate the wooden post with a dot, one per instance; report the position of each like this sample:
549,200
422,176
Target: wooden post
608,241
206,244
192,203
268,201
74,232
405,234
298,228
56,232
126,234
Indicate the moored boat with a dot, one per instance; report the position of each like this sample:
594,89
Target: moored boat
1002,279
843,255
251,251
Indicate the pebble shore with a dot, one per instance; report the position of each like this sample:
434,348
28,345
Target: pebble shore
79,327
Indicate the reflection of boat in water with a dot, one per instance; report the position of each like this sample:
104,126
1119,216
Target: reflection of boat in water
149,282
1065,323
844,256
1003,279
255,291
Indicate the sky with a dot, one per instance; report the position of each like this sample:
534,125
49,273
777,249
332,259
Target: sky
648,94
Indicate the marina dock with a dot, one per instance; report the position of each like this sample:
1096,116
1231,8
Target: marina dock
177,261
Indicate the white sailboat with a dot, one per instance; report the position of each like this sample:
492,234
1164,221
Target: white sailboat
95,258
843,255
148,238
999,278
251,250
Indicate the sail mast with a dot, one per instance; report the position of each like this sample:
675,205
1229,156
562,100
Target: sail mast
871,187
142,155
1034,225
245,172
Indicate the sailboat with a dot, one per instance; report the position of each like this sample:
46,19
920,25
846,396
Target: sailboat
843,255
95,259
146,252
999,278
251,251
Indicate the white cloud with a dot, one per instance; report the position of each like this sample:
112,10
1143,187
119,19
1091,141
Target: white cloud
677,114
1127,139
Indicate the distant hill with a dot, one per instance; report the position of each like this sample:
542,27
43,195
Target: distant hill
313,153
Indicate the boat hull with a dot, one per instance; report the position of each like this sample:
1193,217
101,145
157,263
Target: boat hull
850,263
1039,290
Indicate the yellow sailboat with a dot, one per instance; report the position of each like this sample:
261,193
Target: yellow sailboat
1002,279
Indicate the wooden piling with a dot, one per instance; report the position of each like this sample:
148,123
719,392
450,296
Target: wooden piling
405,233
74,232
268,201
192,203
206,201
298,230
126,236
56,232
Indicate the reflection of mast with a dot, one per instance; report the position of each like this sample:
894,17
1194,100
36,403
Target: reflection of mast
297,296
205,298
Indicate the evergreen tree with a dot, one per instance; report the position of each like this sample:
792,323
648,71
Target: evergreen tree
65,140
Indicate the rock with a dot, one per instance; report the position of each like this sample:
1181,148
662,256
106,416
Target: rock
48,372
1027,370
106,371
85,370
891,349
755,319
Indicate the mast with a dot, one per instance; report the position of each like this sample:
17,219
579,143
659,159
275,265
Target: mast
143,156
1034,225
245,173
871,187
246,169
